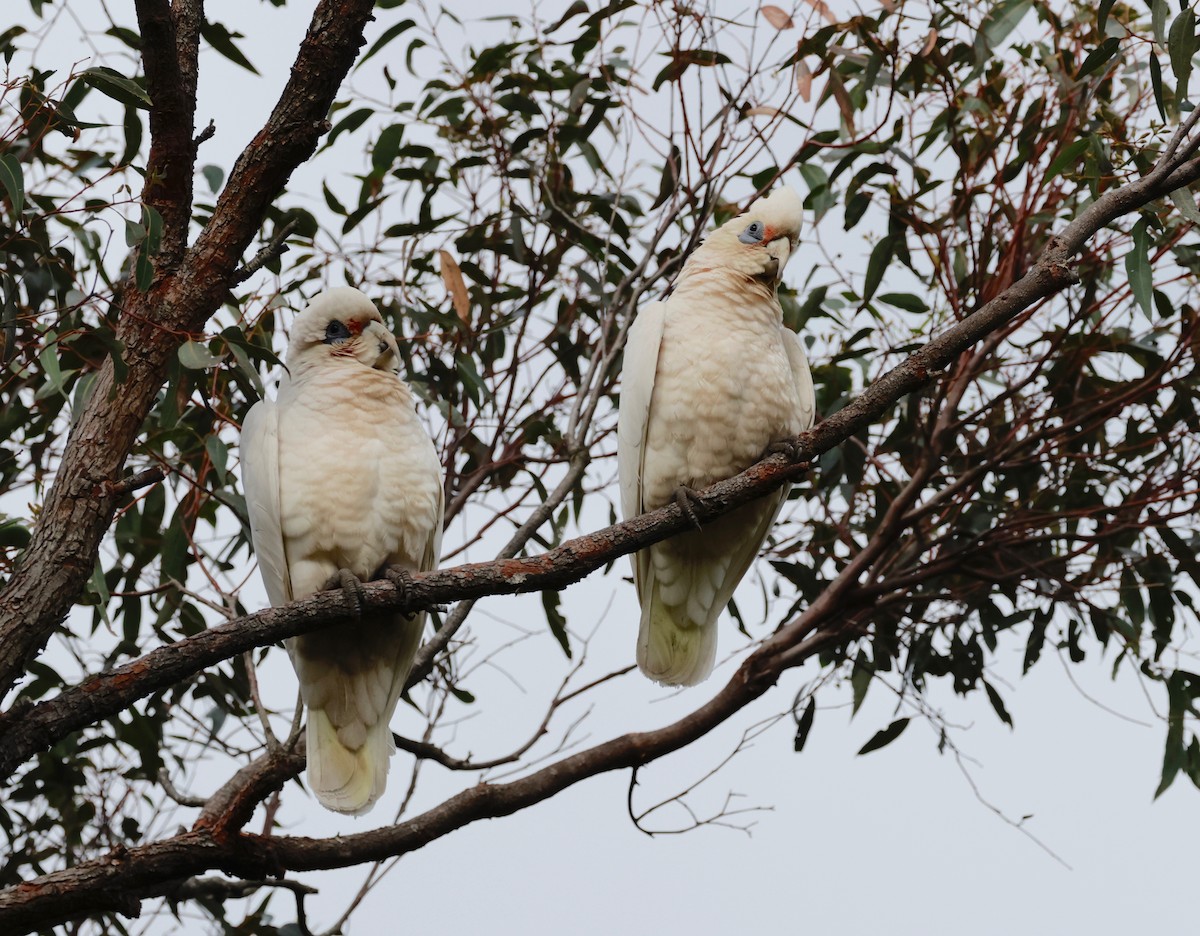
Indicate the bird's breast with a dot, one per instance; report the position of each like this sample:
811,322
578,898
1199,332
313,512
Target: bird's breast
723,391
360,481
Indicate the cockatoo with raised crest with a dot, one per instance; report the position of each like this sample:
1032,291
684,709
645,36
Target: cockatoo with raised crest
711,379
343,485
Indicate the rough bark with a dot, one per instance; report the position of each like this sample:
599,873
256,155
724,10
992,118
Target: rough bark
80,505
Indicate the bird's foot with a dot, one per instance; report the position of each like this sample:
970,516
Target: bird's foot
401,579
351,587
689,502
788,447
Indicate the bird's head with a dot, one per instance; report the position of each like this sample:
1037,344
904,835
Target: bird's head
758,242
342,325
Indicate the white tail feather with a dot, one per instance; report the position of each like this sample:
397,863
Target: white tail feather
673,649
344,780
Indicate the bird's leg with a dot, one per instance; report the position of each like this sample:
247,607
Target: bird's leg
351,588
688,501
401,578
788,447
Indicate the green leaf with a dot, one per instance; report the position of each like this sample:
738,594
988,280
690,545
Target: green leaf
1157,85
1181,45
153,223
997,703
113,84
1067,158
387,145
143,270
349,123
804,726
1098,56
195,356
860,681
132,125
218,454
1185,201
885,737
214,176
100,588
1174,754
681,59
1137,268
906,301
13,180
558,623
881,256
1159,9
221,39
13,535
388,35
1003,19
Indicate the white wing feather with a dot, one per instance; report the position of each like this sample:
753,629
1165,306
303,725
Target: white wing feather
637,389
805,393
260,481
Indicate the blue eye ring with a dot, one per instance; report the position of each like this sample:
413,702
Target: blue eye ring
336,331
753,234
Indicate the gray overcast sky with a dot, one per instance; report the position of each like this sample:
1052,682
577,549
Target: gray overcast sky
895,841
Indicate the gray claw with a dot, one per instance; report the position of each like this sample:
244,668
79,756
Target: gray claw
351,588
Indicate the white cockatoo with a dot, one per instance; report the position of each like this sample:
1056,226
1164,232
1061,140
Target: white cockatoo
343,485
711,379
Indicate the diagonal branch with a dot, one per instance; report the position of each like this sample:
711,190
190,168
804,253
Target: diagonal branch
107,694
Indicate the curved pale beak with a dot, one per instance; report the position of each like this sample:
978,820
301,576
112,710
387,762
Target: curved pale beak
385,343
780,251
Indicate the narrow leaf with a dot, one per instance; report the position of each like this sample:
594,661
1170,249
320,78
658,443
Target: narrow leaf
221,39
997,703
881,256
1181,45
804,726
194,355
13,180
456,286
803,81
1003,19
1158,20
1137,268
885,737
1185,201
776,17
1098,56
823,9
1067,158
113,84
388,35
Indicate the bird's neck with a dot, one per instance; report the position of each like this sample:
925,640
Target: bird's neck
726,286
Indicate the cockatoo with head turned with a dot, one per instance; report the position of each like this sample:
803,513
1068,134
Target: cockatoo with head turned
711,379
343,485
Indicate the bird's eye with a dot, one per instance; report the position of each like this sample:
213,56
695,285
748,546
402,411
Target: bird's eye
336,331
753,233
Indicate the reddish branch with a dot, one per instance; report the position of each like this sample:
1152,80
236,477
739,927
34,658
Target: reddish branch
80,505
24,733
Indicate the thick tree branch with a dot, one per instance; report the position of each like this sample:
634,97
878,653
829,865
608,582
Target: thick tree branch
108,693
61,554
170,51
